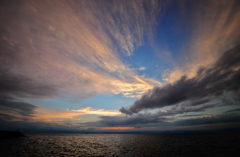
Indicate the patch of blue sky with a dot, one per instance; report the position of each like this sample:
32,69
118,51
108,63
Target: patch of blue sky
173,31
144,57
107,102
170,38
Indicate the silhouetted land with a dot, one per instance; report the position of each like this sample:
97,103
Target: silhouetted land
10,134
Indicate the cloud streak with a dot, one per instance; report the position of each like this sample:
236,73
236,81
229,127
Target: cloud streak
9,105
142,68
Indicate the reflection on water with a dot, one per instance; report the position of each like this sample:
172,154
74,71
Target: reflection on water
41,144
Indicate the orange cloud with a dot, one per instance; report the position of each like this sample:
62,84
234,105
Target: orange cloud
208,115
90,110
116,128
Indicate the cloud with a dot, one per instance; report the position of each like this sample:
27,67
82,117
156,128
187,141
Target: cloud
223,118
73,49
11,117
122,121
131,120
144,119
24,86
16,107
20,111
221,121
223,76
234,110
90,110
213,28
142,68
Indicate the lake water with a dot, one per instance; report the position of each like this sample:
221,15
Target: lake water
192,144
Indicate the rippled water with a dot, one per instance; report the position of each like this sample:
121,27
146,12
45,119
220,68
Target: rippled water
41,144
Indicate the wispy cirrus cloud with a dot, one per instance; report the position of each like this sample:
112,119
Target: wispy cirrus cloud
214,29
73,48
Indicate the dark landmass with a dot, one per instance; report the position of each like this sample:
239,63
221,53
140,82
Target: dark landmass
10,134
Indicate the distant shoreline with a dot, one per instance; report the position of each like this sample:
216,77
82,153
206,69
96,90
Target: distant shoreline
146,132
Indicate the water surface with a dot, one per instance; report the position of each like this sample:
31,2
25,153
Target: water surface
53,144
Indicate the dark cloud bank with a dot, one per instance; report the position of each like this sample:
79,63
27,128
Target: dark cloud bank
155,120
13,106
209,83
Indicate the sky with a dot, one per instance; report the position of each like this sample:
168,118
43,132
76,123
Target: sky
119,66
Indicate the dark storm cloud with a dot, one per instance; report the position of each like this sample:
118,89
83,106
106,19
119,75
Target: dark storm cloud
196,102
22,86
131,120
221,77
234,110
145,118
27,126
223,118
19,108
180,110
